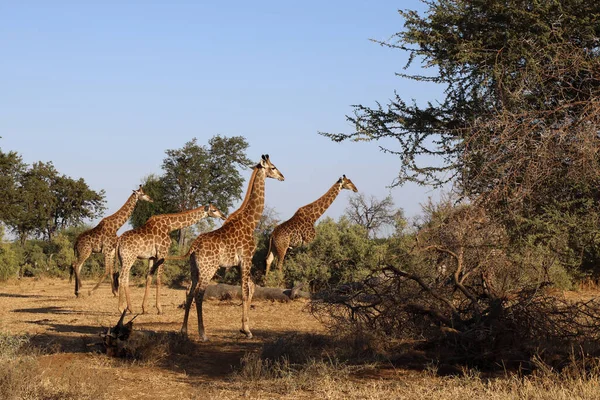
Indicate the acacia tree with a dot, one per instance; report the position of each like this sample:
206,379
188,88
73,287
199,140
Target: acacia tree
490,56
371,213
517,127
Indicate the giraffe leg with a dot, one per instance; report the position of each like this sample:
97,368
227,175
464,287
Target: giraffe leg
110,267
199,296
109,259
148,284
126,263
190,295
83,254
281,257
247,292
158,265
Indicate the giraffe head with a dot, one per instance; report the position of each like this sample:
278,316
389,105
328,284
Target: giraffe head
141,195
271,170
214,212
347,184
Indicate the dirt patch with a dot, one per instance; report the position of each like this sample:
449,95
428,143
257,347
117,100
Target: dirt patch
66,330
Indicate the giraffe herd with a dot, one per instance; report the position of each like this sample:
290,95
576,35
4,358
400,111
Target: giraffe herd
230,245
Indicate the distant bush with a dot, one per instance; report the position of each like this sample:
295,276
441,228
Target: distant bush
10,260
341,252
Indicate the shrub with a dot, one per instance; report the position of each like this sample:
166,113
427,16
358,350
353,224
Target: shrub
10,259
461,290
341,252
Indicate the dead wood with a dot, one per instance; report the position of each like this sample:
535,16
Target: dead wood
223,291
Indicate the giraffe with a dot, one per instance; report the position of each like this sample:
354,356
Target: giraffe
300,229
230,245
151,241
103,239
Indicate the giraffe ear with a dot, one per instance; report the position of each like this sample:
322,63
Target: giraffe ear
207,208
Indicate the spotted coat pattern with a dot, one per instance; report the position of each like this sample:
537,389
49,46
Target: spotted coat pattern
103,239
151,242
300,229
230,245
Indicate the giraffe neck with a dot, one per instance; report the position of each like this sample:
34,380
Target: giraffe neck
248,192
181,220
318,207
119,218
254,205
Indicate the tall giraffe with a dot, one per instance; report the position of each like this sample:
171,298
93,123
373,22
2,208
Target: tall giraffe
103,239
230,245
300,229
151,241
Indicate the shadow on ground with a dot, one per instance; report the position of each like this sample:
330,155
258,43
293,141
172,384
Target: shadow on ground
21,296
213,360
60,310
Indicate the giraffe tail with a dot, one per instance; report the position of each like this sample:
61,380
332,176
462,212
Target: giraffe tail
117,267
171,258
270,256
72,268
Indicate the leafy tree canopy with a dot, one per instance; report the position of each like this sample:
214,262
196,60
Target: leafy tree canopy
499,62
39,201
195,175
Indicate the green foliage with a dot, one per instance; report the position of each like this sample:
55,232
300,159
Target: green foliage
39,258
12,169
39,201
153,187
9,261
340,253
195,175
479,51
62,255
516,130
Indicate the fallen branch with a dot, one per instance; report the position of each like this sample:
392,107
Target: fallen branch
223,291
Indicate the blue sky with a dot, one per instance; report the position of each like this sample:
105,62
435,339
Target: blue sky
102,89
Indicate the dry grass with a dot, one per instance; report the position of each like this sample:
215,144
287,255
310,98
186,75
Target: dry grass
23,377
47,351
330,380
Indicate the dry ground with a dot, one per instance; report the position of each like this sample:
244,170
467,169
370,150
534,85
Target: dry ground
65,328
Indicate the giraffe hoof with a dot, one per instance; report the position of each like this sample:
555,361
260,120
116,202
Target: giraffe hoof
248,334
